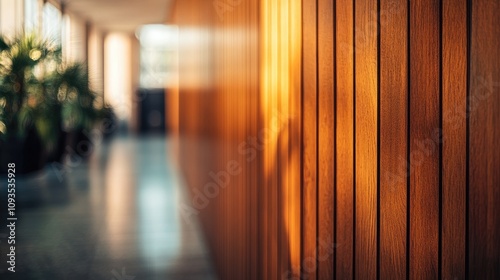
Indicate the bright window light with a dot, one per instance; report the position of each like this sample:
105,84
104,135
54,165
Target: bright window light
158,54
52,23
31,15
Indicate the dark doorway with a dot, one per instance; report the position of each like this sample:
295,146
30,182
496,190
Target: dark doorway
152,111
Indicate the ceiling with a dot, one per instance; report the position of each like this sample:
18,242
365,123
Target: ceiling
120,15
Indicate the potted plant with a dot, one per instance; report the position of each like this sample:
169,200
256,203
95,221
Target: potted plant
20,90
46,105
78,110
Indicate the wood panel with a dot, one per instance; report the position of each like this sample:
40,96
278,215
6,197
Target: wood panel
484,140
393,113
286,187
252,84
309,139
295,160
366,132
454,91
344,201
424,150
366,96
326,134
265,108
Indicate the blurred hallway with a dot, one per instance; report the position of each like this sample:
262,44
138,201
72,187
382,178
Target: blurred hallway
111,217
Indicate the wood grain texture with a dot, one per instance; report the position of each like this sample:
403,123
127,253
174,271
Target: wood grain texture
326,147
283,139
254,123
309,141
344,203
365,50
393,138
358,89
295,125
454,90
265,78
272,145
484,155
424,149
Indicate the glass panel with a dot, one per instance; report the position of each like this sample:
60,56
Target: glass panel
52,23
158,54
31,15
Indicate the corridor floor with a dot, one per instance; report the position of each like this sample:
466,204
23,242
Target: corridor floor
111,217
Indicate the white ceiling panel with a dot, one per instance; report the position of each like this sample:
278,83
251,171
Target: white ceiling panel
120,15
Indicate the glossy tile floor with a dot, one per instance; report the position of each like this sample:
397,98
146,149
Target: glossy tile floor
112,217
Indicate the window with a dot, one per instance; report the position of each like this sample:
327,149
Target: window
158,54
31,16
51,28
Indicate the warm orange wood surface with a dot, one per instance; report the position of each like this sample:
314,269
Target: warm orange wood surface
348,122
344,203
484,140
309,138
326,134
453,178
393,138
424,151
365,139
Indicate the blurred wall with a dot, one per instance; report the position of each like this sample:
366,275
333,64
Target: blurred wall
11,17
74,41
342,139
121,73
95,54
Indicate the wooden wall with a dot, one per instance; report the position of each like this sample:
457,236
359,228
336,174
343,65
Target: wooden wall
342,139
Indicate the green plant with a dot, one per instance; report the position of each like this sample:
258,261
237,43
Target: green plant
39,91
78,99
20,90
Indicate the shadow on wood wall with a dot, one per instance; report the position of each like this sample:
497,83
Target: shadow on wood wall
342,139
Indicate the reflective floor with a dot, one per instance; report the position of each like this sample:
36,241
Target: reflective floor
112,217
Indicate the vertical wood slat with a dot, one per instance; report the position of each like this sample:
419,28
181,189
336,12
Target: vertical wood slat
344,234
283,10
424,149
309,133
365,60
484,154
295,217
393,138
454,90
326,148
272,174
264,197
254,207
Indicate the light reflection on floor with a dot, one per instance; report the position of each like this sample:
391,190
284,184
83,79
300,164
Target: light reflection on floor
115,214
